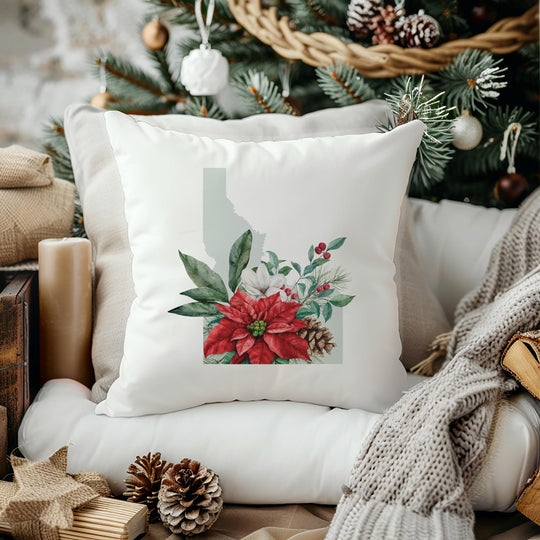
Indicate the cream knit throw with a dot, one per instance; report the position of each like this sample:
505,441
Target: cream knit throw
412,476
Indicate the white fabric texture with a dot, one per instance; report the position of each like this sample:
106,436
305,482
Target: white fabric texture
96,174
312,189
264,452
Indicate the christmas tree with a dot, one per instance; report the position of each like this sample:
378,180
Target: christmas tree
480,106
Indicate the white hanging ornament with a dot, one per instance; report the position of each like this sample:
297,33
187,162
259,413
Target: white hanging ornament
204,71
467,131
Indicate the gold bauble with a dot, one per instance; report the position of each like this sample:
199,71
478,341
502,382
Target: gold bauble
101,100
155,35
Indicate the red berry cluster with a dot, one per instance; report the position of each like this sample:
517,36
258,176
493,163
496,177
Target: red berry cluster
322,288
288,292
321,248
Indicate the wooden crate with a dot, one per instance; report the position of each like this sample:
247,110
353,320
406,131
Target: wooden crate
19,360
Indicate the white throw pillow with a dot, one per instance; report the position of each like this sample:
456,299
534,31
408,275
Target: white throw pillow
328,319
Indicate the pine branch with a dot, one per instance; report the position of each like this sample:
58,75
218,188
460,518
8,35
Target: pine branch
344,85
306,12
259,94
129,83
471,80
446,12
159,59
56,146
435,149
205,107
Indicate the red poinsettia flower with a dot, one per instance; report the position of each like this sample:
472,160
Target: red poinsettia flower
259,329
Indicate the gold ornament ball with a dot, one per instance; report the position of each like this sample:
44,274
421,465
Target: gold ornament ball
155,35
101,100
467,132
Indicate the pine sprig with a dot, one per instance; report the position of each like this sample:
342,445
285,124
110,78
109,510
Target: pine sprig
259,94
56,146
344,85
435,149
473,78
306,12
128,82
205,107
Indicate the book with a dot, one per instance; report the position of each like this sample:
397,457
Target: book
103,519
521,359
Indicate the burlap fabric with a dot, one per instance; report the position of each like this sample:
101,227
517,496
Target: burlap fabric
33,204
42,497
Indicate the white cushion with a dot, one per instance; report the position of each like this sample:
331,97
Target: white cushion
264,452
454,243
198,195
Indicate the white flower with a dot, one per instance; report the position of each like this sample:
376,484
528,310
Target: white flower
260,283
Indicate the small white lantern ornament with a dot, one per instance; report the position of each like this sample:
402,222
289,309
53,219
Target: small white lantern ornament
204,71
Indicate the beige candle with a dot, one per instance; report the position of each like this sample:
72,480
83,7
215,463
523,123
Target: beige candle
65,309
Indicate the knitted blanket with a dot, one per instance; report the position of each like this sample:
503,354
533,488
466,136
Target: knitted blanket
412,476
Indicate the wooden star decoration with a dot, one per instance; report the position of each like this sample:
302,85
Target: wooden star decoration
45,498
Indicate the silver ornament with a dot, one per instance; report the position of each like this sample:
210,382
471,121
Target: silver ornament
467,132
204,72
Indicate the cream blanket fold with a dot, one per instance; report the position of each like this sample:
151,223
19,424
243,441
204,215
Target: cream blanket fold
412,476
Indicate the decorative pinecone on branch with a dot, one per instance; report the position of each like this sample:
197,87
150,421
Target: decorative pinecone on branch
419,30
319,338
383,26
190,498
359,15
145,480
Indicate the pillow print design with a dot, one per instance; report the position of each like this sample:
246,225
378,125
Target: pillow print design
278,312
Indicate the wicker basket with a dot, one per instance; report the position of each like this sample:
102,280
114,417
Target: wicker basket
378,61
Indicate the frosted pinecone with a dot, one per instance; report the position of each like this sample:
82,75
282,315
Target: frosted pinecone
418,30
359,15
190,498
383,26
319,338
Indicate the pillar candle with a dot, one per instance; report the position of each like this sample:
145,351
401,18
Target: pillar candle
65,309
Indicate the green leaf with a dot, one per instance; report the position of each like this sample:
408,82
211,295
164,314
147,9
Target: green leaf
268,267
311,253
203,276
341,300
316,309
312,289
196,309
324,293
327,311
221,358
303,312
274,261
285,270
336,244
316,263
205,294
302,288
239,258
297,267
278,360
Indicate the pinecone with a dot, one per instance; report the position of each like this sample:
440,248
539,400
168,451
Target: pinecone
418,30
383,25
145,480
318,337
190,498
359,15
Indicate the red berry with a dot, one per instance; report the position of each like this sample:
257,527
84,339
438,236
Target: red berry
318,250
288,292
326,255
326,286
294,296
322,246
282,287
319,289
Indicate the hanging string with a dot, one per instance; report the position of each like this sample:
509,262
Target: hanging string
285,69
102,75
204,27
509,145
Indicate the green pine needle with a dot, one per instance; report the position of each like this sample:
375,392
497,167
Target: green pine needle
471,80
344,85
435,150
307,12
204,106
259,94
